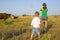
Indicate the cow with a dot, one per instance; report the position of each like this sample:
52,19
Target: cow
4,16
15,17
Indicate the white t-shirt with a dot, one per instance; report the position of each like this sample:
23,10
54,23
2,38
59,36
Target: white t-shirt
35,22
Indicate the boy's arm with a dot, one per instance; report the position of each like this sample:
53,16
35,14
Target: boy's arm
31,24
41,9
31,27
47,9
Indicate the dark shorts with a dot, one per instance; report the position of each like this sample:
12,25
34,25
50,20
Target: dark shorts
45,18
35,31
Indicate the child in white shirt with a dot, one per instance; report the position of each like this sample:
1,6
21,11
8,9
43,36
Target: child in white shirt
35,24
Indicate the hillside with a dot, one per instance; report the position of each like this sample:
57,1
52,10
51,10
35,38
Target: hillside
19,29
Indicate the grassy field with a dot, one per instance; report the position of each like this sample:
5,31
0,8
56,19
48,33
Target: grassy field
19,29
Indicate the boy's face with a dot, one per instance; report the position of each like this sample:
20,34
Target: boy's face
36,14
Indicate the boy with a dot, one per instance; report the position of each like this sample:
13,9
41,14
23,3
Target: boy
35,24
44,11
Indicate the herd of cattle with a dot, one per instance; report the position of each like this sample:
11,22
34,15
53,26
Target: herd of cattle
6,16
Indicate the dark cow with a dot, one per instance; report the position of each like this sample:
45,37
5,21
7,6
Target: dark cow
15,17
4,16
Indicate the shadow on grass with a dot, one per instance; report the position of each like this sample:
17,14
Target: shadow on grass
19,32
14,33
46,30
0,35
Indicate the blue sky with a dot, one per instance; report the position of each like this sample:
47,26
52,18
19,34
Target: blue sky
19,7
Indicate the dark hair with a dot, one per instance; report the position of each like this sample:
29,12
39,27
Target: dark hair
44,6
37,12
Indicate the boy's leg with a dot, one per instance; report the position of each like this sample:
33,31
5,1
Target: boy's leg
46,22
33,32
31,37
46,25
38,32
39,36
45,19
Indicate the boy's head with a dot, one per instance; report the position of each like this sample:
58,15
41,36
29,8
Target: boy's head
44,6
37,14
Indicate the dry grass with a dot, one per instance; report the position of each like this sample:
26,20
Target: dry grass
11,26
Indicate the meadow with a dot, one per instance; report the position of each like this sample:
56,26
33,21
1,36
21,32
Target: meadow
19,29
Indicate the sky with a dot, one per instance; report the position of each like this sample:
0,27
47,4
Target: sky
20,7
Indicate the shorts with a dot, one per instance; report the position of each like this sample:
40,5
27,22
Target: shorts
45,18
35,31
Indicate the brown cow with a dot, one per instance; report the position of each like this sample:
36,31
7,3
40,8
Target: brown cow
15,17
4,16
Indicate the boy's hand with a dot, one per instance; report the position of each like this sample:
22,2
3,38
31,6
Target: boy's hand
30,27
41,9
